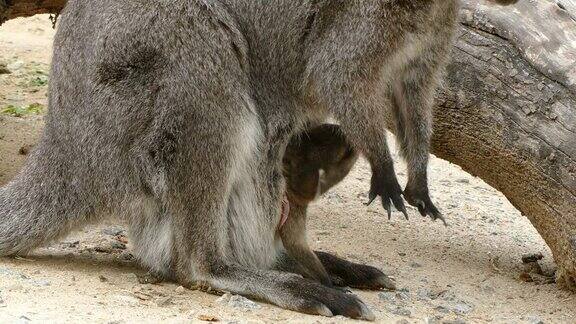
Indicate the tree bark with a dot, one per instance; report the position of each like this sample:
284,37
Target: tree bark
506,112
10,9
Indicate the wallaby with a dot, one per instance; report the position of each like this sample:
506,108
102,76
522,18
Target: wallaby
175,115
315,161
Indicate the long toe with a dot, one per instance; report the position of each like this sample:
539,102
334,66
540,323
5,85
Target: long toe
367,314
385,282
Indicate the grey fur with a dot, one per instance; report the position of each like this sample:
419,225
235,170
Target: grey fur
174,115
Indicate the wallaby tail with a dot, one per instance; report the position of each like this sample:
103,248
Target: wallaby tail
35,207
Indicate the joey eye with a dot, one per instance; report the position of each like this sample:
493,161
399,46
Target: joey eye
348,153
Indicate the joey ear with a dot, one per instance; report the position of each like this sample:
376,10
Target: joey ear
349,153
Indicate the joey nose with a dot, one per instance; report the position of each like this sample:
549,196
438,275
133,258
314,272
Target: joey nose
321,182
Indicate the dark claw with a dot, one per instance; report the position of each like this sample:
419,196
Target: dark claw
443,221
405,212
421,208
386,205
438,215
399,204
390,193
433,212
421,200
371,199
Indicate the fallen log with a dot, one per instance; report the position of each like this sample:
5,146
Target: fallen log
10,9
507,113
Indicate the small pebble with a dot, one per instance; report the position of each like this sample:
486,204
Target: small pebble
112,231
70,244
180,290
532,257
242,302
402,295
118,246
164,301
127,299
102,249
208,318
401,311
424,294
488,289
447,295
127,257
534,320
462,308
148,278
433,320
25,149
455,321
15,66
237,301
41,283
15,287
122,239
442,309
387,296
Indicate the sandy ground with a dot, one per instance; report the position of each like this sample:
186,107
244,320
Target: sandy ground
467,272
